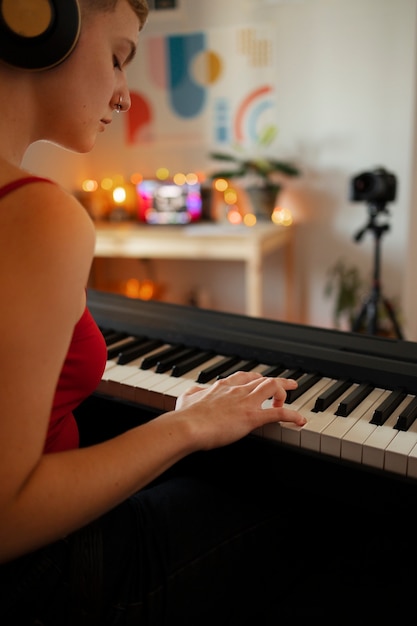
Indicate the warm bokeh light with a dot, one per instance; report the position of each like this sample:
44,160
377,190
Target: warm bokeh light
202,177
119,195
221,184
89,185
179,179
106,184
162,173
136,178
145,289
233,216
249,219
132,288
282,216
230,196
191,178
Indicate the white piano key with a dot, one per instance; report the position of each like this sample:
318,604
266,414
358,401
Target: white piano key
110,363
167,390
374,448
181,384
289,433
107,385
398,450
166,384
332,435
354,439
136,363
117,373
317,422
412,463
126,387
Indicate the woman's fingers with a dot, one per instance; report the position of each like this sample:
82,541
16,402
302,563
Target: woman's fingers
249,387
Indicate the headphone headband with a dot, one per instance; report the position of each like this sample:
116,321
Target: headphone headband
38,34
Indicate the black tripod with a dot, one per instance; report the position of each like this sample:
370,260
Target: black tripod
371,307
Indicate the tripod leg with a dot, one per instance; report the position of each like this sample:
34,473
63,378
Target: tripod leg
368,313
373,314
391,314
359,320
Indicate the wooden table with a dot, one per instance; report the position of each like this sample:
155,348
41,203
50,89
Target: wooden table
208,241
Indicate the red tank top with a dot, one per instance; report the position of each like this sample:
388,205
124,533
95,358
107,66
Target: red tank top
82,369
80,375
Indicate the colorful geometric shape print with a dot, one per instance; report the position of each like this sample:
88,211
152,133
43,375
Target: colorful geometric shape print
182,65
207,67
139,119
186,96
217,85
248,118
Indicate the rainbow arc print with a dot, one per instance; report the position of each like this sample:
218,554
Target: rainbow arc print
218,85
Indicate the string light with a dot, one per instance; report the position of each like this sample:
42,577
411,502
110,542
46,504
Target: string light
282,216
119,195
89,185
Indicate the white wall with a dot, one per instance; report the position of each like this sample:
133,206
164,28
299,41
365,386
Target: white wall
346,77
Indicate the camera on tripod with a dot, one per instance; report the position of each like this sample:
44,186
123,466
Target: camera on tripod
377,188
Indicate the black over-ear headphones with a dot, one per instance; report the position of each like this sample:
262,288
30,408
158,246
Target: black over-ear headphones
38,34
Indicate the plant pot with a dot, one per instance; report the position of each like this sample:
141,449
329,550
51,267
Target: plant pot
263,200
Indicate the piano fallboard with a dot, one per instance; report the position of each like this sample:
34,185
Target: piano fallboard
386,369
388,363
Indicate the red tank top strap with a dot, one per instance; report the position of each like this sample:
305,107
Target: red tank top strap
20,182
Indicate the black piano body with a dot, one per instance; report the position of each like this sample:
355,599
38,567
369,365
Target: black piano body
387,363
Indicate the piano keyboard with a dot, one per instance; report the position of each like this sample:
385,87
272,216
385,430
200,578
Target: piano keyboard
352,420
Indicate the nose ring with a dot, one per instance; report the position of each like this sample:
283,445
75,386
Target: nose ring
119,105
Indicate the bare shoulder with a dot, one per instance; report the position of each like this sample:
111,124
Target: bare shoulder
45,211
45,234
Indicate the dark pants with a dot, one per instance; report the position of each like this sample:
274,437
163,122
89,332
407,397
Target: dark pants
224,538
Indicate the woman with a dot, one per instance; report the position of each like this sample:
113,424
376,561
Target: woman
90,533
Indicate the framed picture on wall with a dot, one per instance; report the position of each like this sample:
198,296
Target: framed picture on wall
163,5
163,9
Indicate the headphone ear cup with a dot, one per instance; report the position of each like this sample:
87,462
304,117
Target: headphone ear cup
38,34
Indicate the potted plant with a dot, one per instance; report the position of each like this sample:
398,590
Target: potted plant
262,177
346,285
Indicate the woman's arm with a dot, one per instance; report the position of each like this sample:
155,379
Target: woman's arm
48,252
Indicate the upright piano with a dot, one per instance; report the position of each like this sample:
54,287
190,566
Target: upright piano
358,392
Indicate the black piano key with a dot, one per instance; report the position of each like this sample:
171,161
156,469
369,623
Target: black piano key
168,362
153,359
407,416
385,409
121,347
330,395
218,368
241,366
112,336
294,373
274,370
189,364
304,384
132,353
352,400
